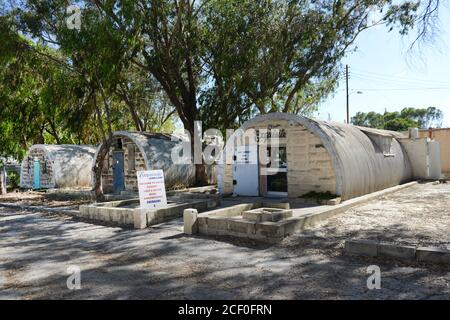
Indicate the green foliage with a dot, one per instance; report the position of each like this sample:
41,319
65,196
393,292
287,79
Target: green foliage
400,121
400,124
143,65
13,180
319,195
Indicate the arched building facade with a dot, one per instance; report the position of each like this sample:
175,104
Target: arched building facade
139,151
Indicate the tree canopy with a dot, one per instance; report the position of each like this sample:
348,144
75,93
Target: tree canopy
423,118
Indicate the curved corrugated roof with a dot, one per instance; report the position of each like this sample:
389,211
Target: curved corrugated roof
359,164
156,149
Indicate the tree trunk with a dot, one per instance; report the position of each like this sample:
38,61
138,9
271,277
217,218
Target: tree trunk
201,178
98,168
102,153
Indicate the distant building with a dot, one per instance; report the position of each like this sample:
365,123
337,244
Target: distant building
57,166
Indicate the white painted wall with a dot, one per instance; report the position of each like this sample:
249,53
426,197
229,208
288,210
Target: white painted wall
424,156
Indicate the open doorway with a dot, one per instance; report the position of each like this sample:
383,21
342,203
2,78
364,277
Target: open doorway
276,172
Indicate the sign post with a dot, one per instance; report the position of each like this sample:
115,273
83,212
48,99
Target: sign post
152,191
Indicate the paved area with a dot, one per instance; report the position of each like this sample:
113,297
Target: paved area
162,263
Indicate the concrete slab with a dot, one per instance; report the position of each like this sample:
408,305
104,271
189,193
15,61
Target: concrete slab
401,252
397,251
361,247
434,255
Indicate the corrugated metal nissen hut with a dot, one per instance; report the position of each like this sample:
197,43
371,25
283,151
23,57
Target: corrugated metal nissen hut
315,156
57,166
138,151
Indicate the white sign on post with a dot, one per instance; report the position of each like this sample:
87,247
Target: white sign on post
152,191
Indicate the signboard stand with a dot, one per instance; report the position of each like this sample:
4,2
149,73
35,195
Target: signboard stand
152,191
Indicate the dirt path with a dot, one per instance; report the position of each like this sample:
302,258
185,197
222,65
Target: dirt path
419,215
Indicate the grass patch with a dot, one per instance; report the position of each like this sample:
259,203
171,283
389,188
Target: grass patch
319,195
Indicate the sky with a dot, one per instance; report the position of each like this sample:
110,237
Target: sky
385,75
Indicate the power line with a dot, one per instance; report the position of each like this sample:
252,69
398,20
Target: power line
374,75
398,82
402,89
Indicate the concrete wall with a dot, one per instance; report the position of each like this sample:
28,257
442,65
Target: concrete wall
424,157
443,137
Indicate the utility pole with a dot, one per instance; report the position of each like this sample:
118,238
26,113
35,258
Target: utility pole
346,87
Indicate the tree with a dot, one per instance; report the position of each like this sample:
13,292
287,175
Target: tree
109,92
399,124
227,60
223,60
400,121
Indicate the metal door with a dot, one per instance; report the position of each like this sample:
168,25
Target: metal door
245,171
36,174
118,172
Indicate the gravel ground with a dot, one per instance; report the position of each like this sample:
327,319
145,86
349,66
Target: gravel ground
162,263
32,198
419,215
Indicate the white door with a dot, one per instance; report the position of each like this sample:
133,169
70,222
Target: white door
245,171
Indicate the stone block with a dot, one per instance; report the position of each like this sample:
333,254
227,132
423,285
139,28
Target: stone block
361,247
217,223
435,255
240,226
140,219
269,230
397,251
266,214
190,221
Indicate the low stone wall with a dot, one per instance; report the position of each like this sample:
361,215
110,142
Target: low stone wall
228,221
400,252
116,211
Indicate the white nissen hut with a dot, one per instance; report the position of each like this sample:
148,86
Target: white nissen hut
138,151
57,166
314,156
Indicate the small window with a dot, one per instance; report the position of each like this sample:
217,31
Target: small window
118,144
386,146
44,169
131,158
381,140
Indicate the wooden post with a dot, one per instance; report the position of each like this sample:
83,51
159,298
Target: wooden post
2,180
